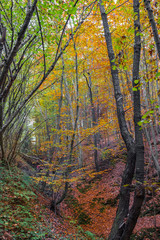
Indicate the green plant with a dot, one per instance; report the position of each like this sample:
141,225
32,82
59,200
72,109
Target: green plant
17,212
106,154
90,235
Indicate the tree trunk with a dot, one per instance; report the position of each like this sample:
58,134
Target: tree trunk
153,25
94,121
139,189
1,134
123,207
75,125
121,228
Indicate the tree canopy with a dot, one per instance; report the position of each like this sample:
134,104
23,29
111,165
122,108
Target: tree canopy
74,77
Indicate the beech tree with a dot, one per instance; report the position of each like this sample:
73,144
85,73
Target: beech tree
18,45
126,219
55,72
153,25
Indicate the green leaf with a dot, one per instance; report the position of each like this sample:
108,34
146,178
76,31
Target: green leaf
114,67
140,123
146,121
158,74
145,115
152,101
134,89
136,81
152,111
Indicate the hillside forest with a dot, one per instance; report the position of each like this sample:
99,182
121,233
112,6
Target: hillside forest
79,119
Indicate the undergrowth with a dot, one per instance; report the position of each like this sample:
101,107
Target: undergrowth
81,216
20,214
17,206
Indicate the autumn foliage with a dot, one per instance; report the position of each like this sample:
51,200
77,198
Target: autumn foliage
79,114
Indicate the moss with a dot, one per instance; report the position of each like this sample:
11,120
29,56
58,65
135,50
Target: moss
17,201
90,235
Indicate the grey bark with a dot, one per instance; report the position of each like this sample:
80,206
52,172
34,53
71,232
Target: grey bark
139,189
123,228
2,39
55,202
153,25
149,128
16,48
123,206
94,120
18,42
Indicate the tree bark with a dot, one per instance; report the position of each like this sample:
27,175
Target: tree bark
18,42
153,25
123,207
1,134
74,124
94,120
139,189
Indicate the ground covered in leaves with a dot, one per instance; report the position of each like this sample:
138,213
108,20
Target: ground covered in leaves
87,212
93,202
25,213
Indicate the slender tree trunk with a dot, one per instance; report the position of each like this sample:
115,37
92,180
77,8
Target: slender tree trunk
94,121
2,41
1,134
154,156
123,207
49,151
128,139
149,129
61,97
68,168
139,189
122,228
153,25
150,134
69,100
75,125
77,105
137,103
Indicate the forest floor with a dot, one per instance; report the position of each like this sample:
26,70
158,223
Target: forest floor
88,210
99,202
91,205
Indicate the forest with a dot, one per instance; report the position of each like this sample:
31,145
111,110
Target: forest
79,119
